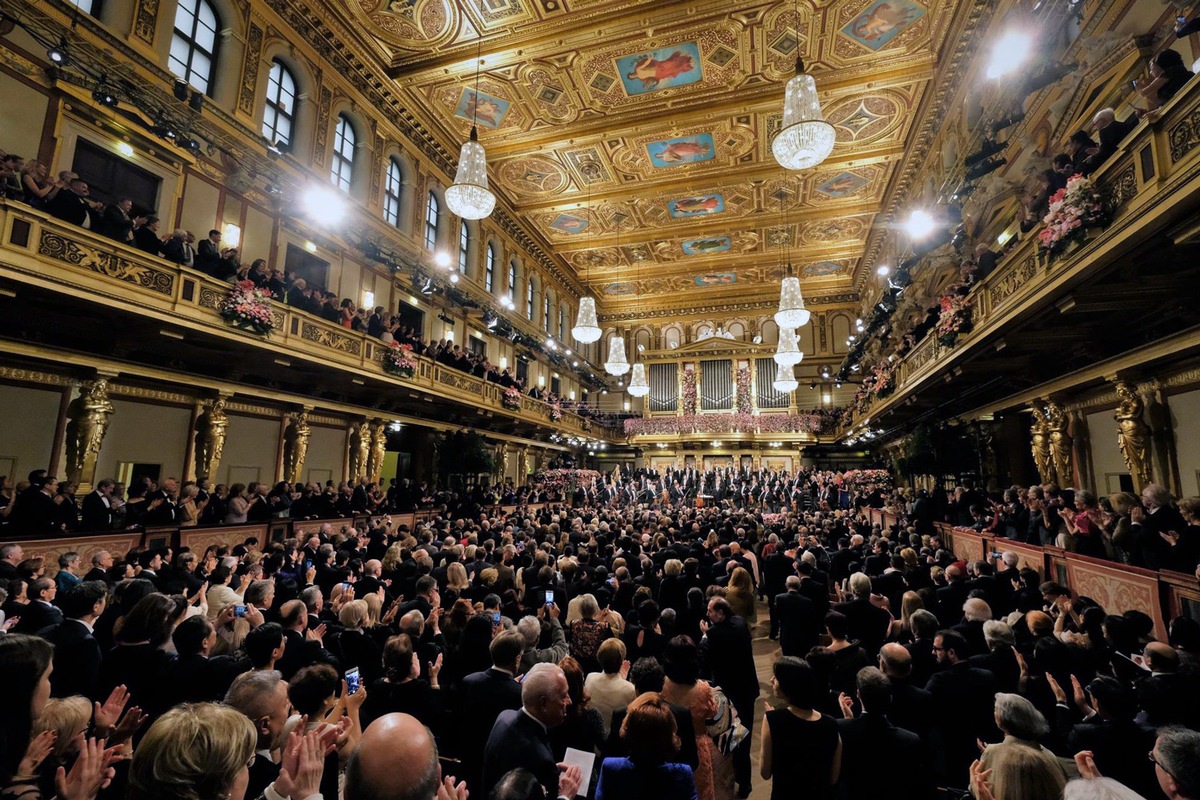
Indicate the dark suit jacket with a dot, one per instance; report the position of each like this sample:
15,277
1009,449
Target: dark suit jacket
518,740
964,700
866,623
615,746
950,601
881,760
69,207
96,515
1001,663
912,707
973,633
798,624
207,256
1115,746
483,696
38,615
729,656
77,659
117,225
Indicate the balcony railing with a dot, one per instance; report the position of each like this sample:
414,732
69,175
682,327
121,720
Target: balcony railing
1155,170
39,249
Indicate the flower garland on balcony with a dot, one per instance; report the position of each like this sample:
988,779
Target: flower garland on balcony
556,412
511,399
1073,210
249,308
862,478
398,360
725,423
743,391
955,319
558,479
689,392
882,380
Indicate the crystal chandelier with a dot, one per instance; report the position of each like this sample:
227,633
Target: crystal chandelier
638,386
617,364
806,139
785,379
791,313
587,329
469,196
788,353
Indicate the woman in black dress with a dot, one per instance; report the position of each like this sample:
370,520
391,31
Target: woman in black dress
801,748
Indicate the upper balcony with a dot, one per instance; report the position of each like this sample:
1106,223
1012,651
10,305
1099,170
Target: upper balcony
1037,317
65,289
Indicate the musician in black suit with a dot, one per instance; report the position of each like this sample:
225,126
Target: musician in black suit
40,613
97,508
797,619
520,737
77,654
483,696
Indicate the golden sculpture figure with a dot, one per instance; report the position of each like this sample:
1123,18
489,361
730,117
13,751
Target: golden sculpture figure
1133,434
210,437
295,447
88,421
1040,443
1061,443
377,450
360,445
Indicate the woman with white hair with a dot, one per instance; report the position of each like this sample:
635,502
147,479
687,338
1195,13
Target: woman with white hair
1023,726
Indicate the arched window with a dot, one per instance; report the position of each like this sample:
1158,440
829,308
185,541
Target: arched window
391,193
546,311
194,44
433,211
489,268
512,281
529,300
91,7
344,141
280,110
562,323
464,245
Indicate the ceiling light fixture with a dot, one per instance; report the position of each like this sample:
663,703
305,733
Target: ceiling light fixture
616,364
787,353
792,312
785,379
638,385
587,327
469,196
806,138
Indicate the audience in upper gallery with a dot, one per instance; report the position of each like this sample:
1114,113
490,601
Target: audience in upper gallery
128,656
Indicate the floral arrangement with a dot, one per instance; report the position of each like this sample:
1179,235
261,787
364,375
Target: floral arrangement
398,360
249,308
511,399
553,479
955,319
883,378
556,412
743,391
1072,211
725,423
689,392
863,478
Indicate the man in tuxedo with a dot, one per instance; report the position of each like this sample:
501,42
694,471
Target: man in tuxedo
10,556
796,617
1000,659
867,623
1109,731
208,253
177,250
911,707
102,562
262,697
146,238
729,657
879,759
97,508
777,568
812,586
163,504
117,224
77,654
483,696
41,611
950,598
963,698
520,737
74,205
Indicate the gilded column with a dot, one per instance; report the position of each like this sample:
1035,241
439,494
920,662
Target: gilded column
295,447
1083,451
209,440
1061,443
522,465
1039,442
377,450
1166,457
88,416
502,461
1133,434
358,446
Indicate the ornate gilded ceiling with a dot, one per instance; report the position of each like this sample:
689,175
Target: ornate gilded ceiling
662,113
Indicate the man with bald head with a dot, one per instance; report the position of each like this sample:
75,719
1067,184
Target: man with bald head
520,738
1168,695
912,706
396,759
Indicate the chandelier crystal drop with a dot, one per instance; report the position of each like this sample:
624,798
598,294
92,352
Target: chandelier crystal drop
638,385
617,364
791,313
587,329
469,196
806,138
785,379
787,353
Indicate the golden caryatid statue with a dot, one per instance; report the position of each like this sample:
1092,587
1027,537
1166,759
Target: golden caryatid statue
377,450
1039,441
210,437
1133,434
87,423
1061,443
295,447
360,446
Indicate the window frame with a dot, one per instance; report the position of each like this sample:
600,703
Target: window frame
193,45
273,106
464,248
393,177
433,220
512,281
529,300
342,164
489,269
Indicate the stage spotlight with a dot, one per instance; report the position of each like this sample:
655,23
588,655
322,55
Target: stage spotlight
987,150
442,259
58,54
920,224
196,101
189,144
454,277
883,269
325,203
985,168
102,95
180,90
1010,52
1001,124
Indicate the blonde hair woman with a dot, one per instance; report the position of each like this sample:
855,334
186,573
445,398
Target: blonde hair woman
740,595
196,751
901,629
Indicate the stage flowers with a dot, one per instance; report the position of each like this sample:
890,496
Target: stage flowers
248,308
